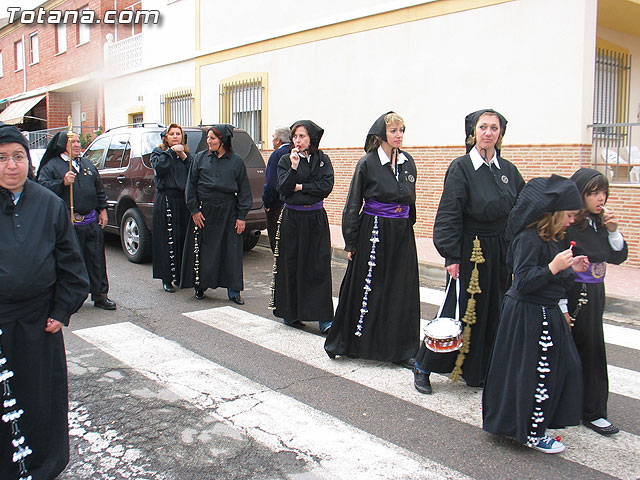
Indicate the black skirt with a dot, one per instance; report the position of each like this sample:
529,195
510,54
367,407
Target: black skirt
390,327
514,378
168,236
220,249
493,277
303,278
39,385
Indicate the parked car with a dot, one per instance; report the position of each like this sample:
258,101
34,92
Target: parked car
123,157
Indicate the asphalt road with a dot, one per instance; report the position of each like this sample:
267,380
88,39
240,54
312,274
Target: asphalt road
228,392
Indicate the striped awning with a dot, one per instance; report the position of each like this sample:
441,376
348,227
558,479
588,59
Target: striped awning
16,111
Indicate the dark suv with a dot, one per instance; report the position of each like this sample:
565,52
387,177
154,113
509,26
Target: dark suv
123,157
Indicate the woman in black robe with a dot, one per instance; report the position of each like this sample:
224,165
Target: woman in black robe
480,188
378,314
43,281
171,162
218,197
534,380
596,235
301,289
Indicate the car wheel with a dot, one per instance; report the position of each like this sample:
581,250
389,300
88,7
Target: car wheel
250,240
135,237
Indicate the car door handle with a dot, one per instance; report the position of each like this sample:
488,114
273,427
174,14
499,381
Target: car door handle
121,178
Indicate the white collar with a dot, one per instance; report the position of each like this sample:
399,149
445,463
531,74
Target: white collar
478,161
64,156
384,159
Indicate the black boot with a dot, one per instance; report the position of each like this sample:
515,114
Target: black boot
168,287
421,381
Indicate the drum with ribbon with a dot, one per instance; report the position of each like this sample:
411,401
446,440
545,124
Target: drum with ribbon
444,334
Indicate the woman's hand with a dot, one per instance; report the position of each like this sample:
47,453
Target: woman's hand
179,149
350,255
453,270
198,219
567,317
580,263
295,158
240,224
561,261
52,326
610,221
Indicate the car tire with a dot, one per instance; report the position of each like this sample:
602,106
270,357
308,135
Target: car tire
135,237
249,240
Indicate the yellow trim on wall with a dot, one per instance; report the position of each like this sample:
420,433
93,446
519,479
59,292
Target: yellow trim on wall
607,45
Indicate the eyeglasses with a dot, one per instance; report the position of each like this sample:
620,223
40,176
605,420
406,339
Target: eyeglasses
18,158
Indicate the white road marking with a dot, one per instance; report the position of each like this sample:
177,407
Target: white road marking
621,336
615,456
332,448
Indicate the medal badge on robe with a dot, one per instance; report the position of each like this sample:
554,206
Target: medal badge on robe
504,179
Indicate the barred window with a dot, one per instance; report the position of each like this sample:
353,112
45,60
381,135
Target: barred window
177,107
611,102
241,104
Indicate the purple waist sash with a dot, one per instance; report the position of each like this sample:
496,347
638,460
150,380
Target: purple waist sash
594,274
387,210
304,208
85,219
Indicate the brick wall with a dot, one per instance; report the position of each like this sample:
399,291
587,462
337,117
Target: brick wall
531,160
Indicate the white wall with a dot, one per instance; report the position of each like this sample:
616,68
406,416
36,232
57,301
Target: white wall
532,60
121,93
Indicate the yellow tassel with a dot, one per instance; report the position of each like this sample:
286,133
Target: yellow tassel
469,317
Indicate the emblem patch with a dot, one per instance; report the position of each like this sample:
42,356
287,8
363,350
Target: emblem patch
505,179
411,178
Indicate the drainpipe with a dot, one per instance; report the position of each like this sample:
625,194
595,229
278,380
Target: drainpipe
24,66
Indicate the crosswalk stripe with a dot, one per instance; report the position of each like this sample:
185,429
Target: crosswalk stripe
330,446
615,456
621,336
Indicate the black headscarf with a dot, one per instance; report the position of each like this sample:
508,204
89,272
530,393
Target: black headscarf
226,131
540,196
314,131
57,145
471,120
378,129
583,176
10,134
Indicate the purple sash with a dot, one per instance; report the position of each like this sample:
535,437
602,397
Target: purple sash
313,206
85,219
594,274
387,210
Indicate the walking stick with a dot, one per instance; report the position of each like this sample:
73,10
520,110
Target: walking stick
69,136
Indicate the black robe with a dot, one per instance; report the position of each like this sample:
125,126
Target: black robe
88,195
170,213
392,324
475,202
520,369
42,275
303,265
587,330
220,189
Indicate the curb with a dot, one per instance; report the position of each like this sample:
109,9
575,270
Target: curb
614,305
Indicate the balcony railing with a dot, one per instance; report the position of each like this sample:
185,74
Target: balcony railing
123,56
616,151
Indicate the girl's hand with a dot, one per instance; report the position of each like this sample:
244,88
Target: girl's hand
198,219
454,270
561,261
350,255
610,221
295,159
580,263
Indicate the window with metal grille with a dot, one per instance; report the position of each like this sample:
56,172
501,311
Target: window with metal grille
612,87
177,107
241,105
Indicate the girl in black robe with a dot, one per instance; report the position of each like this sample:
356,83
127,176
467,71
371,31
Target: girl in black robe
480,188
534,380
378,314
43,281
171,162
596,235
218,197
301,289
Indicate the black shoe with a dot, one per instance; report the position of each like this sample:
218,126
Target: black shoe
104,303
409,363
168,287
610,430
421,381
237,300
295,324
199,293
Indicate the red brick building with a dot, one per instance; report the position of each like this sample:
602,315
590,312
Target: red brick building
51,63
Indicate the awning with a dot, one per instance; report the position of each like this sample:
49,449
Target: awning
15,112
